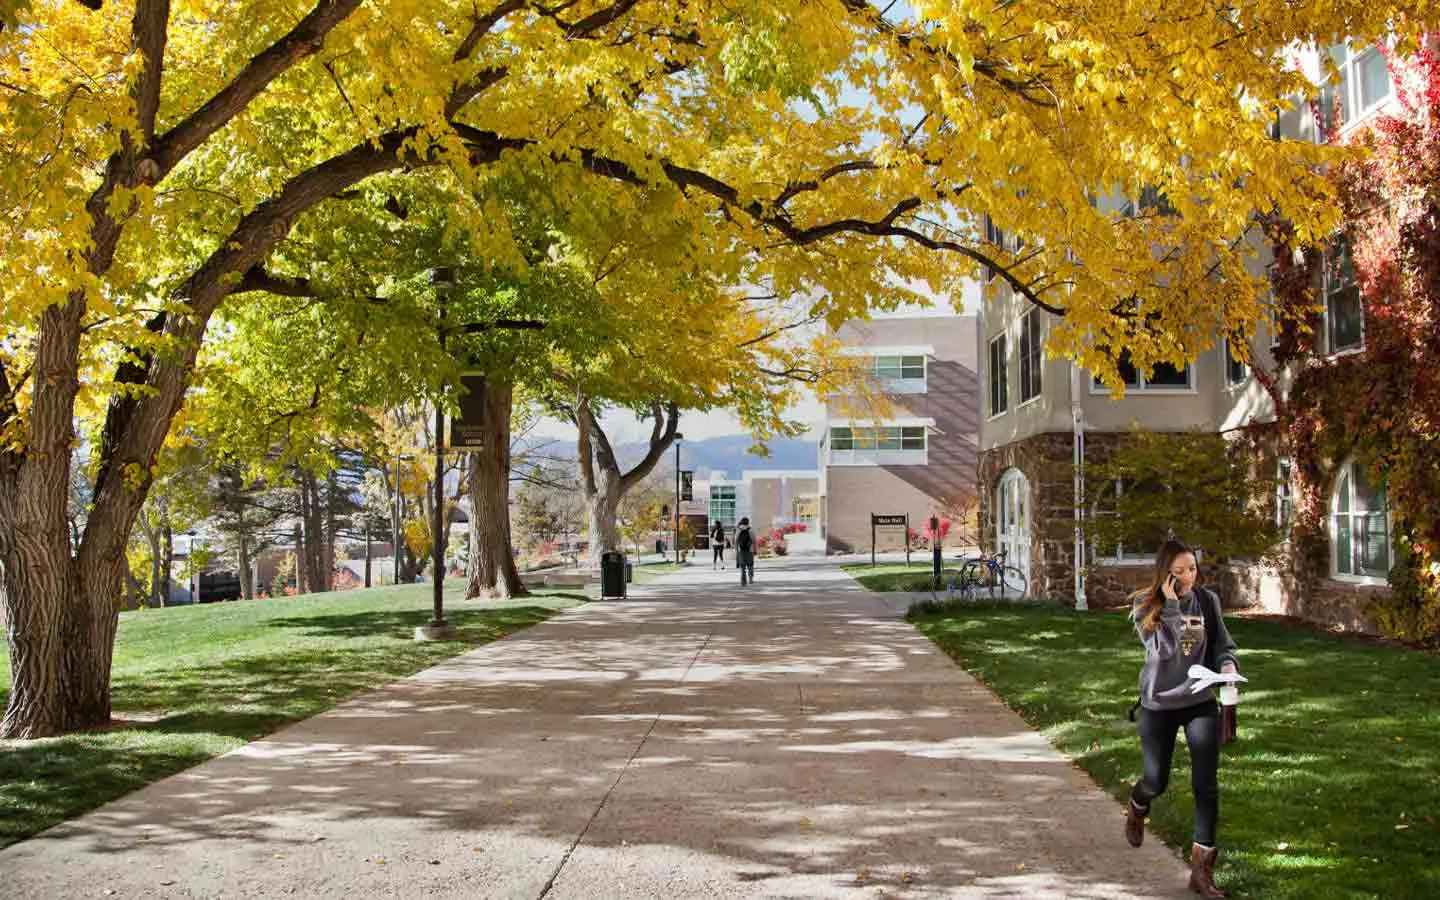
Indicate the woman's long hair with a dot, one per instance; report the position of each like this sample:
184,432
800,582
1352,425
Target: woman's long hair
1148,615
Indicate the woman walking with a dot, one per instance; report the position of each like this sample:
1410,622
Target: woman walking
717,541
1180,625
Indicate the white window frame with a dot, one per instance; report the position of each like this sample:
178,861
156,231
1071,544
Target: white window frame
902,384
1142,387
1284,496
872,453
1346,474
1226,361
1004,382
1120,558
733,500
1325,292
1038,364
1349,66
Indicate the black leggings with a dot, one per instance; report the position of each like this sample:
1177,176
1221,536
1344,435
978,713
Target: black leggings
719,554
1157,743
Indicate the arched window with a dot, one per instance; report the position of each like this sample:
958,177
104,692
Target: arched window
1359,526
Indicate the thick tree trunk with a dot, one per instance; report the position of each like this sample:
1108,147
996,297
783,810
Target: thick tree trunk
492,557
60,627
601,479
601,508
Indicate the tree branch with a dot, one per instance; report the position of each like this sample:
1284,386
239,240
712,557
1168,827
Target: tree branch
150,30
660,441
305,39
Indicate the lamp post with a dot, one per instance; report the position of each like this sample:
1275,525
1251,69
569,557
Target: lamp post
678,438
194,567
443,278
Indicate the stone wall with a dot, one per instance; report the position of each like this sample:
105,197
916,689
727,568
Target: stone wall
1045,461
1295,581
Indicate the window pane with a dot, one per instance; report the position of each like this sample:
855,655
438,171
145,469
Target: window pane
1345,319
889,438
1341,92
1030,355
912,367
1342,545
1367,497
887,367
1235,371
1374,77
1166,375
913,437
864,439
1373,544
1342,492
1342,299
1128,373
842,439
998,377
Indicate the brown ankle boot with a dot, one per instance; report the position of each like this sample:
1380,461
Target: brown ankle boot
1135,823
1202,872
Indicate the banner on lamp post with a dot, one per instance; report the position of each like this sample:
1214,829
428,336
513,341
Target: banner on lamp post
467,430
687,485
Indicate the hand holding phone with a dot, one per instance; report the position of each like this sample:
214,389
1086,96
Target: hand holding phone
1170,587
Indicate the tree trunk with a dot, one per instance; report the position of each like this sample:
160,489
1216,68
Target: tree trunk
600,510
367,551
601,479
60,627
327,543
492,558
302,577
247,582
167,569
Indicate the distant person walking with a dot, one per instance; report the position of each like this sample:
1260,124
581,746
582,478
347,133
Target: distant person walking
1180,625
745,550
717,541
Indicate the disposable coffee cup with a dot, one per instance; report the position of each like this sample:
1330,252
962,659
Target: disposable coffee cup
1229,695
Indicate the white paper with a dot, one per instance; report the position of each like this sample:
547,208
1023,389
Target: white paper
1205,677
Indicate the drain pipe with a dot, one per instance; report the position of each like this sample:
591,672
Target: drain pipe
1077,426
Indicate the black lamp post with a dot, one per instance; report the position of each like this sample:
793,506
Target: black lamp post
678,438
443,278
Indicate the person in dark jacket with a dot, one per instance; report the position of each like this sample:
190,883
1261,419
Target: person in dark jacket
717,541
1180,625
745,550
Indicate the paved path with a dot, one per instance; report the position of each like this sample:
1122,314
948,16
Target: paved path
794,739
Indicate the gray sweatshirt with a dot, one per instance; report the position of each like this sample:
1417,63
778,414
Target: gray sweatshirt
1176,644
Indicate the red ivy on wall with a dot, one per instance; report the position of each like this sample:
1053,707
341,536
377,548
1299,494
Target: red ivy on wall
1380,405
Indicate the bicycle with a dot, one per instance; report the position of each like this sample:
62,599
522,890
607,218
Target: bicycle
987,573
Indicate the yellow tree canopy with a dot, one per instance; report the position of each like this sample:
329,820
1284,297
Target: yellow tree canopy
158,153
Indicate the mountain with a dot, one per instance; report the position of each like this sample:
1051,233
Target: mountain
728,453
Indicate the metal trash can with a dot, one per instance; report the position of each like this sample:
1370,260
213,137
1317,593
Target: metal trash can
612,574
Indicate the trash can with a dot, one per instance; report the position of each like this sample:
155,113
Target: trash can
612,574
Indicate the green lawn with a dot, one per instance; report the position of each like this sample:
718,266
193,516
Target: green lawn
648,572
193,682
1332,791
897,576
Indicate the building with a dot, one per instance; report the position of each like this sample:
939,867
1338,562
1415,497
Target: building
1043,419
907,444
770,499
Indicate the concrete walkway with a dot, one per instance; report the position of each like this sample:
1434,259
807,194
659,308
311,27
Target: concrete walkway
793,739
